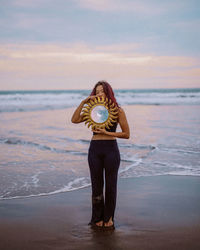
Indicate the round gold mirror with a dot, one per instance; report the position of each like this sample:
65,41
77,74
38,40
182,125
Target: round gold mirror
99,113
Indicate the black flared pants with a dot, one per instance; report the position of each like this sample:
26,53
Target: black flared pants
103,157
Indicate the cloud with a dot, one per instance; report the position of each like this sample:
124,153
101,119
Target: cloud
188,25
81,53
81,61
26,22
137,7
119,5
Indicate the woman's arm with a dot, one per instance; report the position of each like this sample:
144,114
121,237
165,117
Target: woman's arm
123,124
77,117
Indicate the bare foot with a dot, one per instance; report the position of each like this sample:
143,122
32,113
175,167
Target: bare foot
100,223
109,223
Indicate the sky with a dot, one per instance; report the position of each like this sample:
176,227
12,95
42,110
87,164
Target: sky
72,44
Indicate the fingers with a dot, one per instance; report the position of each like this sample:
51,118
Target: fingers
96,130
90,97
99,131
93,97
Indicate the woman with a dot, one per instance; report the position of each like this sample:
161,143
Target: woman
104,156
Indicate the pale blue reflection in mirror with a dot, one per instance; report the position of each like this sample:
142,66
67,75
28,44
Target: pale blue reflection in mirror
99,114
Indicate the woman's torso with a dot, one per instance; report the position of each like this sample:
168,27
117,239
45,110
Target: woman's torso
105,137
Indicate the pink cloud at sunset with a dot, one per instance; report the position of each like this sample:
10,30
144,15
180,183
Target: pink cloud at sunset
70,63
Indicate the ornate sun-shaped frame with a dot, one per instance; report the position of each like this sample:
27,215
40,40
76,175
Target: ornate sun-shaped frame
112,113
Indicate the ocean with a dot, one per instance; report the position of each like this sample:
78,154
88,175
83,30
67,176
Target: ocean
43,153
11,101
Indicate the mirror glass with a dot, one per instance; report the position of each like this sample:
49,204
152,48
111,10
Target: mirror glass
99,114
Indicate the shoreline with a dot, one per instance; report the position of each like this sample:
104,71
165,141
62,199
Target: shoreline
57,192
152,213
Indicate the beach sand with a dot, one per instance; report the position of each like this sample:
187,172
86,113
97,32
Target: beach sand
160,212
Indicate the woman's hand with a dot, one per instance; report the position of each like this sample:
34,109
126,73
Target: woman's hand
100,131
91,97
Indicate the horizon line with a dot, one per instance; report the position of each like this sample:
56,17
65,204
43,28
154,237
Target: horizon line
115,89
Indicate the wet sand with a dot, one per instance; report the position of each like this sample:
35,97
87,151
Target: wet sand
160,212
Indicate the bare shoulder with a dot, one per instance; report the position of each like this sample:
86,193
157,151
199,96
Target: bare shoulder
121,111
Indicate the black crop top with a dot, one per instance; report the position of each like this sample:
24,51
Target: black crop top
111,129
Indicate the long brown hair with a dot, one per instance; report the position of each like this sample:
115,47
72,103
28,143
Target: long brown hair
107,90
